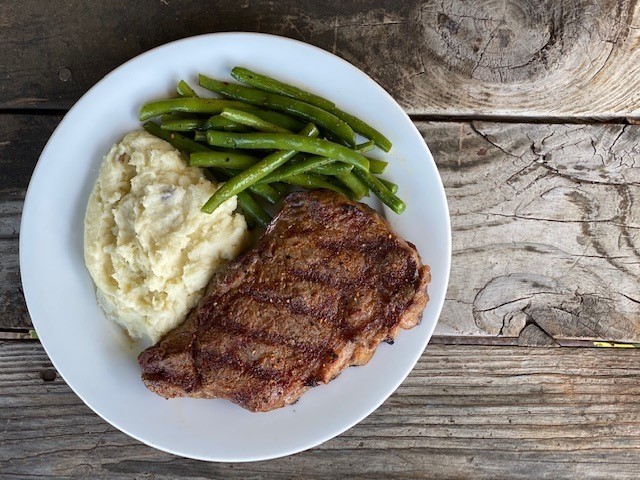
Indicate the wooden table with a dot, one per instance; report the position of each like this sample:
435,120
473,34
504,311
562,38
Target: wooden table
531,110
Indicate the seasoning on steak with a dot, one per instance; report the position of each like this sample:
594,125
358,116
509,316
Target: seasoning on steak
326,283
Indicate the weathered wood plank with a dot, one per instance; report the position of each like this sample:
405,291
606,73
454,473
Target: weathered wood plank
22,138
546,228
464,412
538,59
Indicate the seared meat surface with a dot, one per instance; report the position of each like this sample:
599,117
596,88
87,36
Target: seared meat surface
326,283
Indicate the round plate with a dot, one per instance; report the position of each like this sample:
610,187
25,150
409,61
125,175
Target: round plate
95,357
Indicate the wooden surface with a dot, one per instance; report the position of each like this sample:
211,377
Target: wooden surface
570,58
530,110
464,412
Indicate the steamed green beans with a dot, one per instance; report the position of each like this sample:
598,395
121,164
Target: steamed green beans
271,85
251,209
283,141
365,147
178,141
316,164
222,159
332,169
377,166
273,101
382,192
393,188
182,124
186,104
363,129
184,90
254,148
294,168
354,184
218,122
312,182
256,172
250,120
280,119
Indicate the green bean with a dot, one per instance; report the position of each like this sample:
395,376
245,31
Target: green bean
267,192
283,141
281,103
280,187
185,104
218,122
381,191
365,147
294,168
253,212
316,164
178,141
280,119
182,124
377,166
354,184
184,90
272,85
246,202
268,84
363,129
393,188
177,116
252,209
254,173
251,120
332,169
200,136
222,159
314,182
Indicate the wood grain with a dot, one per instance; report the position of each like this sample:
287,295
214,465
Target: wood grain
547,59
546,228
22,138
464,412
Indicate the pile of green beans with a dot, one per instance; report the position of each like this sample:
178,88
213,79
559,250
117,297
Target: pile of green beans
266,135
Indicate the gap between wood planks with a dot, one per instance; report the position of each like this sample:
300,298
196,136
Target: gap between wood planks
28,335
595,120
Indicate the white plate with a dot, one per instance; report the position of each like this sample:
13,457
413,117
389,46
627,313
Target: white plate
96,359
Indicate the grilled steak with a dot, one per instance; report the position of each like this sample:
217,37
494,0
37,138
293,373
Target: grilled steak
326,283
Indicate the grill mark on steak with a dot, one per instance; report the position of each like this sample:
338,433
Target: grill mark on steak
327,282
293,304
229,326
315,274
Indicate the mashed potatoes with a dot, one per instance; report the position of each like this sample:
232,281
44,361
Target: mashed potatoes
147,245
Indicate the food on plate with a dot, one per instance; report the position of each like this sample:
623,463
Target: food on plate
253,212
326,283
281,103
256,138
263,82
147,245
